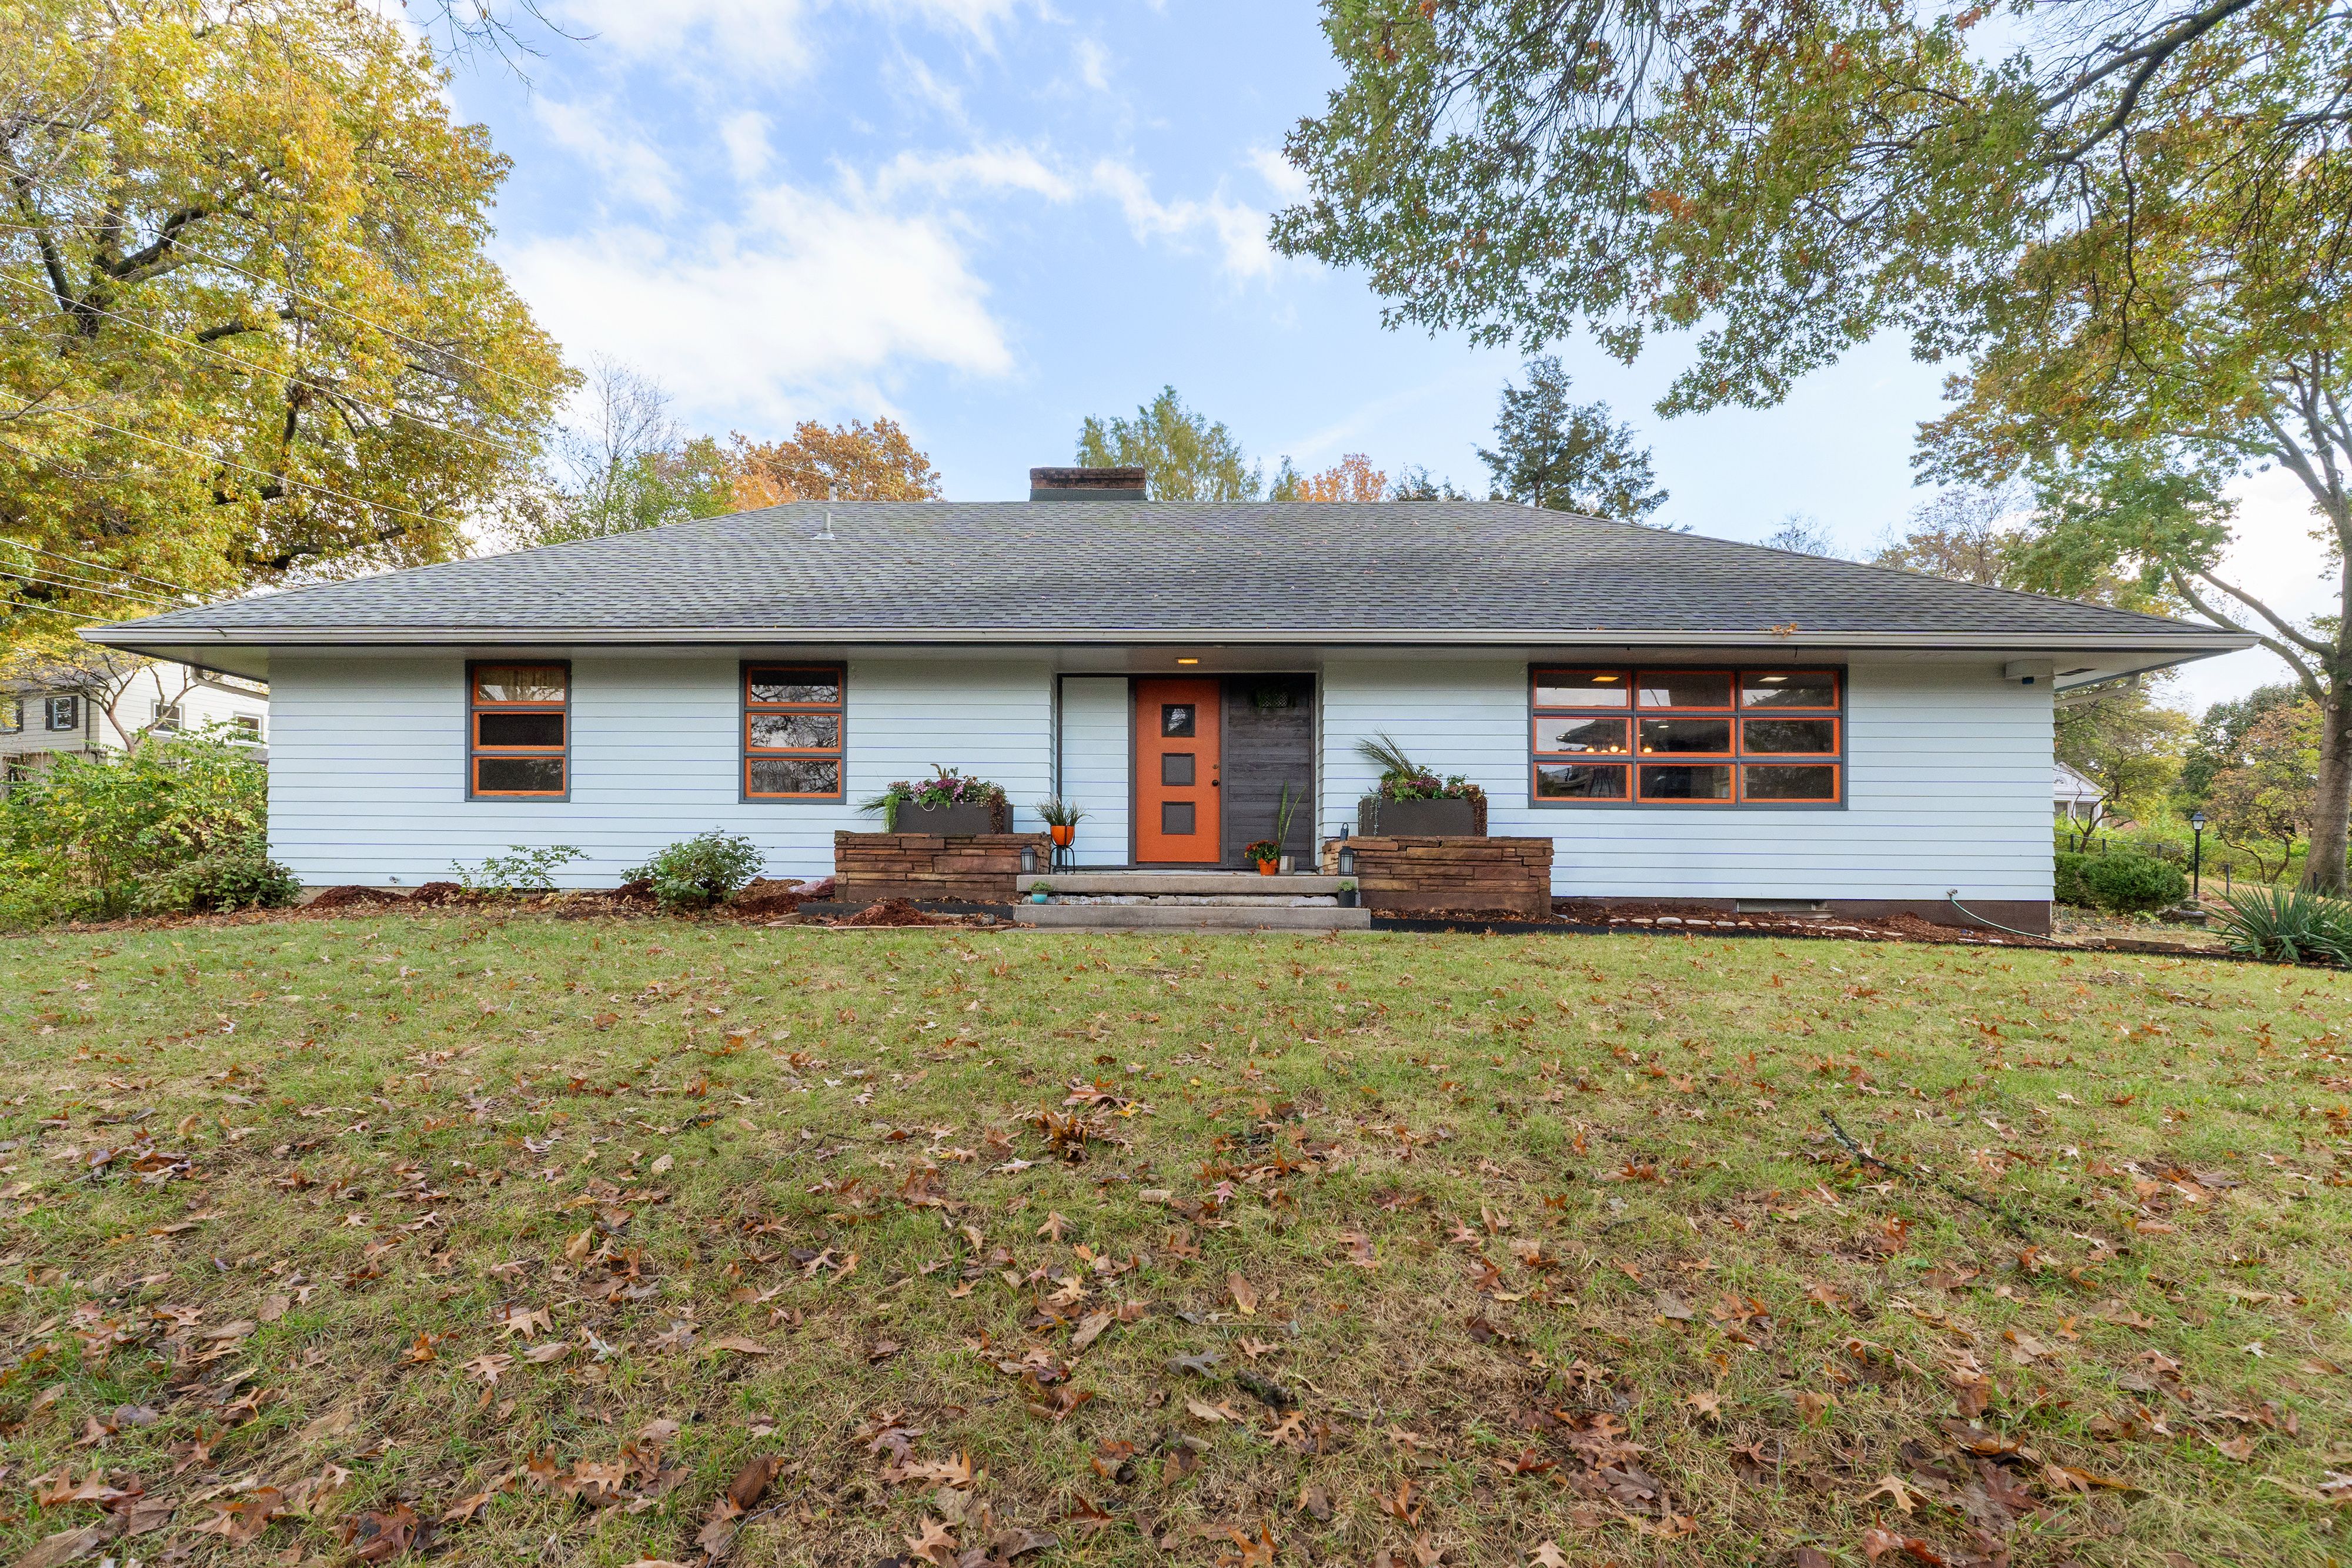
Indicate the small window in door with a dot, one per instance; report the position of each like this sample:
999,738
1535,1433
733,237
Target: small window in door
1176,767
1176,720
1176,817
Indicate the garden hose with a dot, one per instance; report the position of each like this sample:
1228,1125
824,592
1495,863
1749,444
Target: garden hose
1953,896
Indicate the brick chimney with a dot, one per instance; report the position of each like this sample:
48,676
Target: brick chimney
1085,483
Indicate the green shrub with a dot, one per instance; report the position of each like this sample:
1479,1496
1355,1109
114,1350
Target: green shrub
238,875
2122,883
525,871
2289,925
82,840
700,871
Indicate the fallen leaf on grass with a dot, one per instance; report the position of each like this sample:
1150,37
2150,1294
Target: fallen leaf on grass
1812,1406
1244,1295
740,1345
1876,1543
1314,1500
1547,1555
1220,1411
662,1166
1896,1490
1090,1328
1673,1308
1704,1401
274,1307
66,1545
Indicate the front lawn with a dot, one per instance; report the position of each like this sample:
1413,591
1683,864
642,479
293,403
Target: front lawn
518,1240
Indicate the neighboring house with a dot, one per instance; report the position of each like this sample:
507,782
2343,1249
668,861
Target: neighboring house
74,711
1687,718
2075,796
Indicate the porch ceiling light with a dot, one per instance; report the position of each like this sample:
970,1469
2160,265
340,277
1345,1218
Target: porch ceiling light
1188,661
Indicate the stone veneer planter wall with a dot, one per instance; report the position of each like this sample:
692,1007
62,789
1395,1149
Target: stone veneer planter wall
975,868
1401,875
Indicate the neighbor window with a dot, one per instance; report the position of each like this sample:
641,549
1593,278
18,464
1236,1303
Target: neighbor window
63,712
517,730
12,715
167,717
1688,736
794,717
245,725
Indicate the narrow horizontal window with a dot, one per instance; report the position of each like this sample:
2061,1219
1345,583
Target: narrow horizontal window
1580,781
1686,688
1803,736
518,730
1584,689
1811,783
1788,688
795,726
1711,736
1685,782
1603,736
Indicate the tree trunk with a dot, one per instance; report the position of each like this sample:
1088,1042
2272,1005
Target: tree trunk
2323,869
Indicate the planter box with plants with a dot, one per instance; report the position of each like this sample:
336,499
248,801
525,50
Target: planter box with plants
947,803
1413,801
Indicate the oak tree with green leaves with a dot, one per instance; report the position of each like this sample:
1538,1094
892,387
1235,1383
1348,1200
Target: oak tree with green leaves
1185,456
252,331
2127,218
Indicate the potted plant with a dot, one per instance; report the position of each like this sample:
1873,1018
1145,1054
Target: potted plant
1038,891
1062,821
1348,895
1286,808
1267,854
946,802
1412,800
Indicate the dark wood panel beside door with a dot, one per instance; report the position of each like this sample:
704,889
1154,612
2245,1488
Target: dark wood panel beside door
1269,739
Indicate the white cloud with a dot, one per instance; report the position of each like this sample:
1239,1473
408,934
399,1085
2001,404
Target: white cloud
1239,231
629,166
1287,183
745,137
1093,62
989,169
811,300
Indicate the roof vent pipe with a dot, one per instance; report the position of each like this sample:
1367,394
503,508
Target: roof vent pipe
831,493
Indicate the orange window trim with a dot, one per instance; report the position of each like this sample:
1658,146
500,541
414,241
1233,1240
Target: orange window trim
1738,758
477,705
837,753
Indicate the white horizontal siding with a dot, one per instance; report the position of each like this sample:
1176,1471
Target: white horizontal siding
1095,713
368,756
1946,784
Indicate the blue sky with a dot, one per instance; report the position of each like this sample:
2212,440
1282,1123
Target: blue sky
988,219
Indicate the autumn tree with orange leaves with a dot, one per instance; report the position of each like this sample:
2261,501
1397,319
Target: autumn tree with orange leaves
853,462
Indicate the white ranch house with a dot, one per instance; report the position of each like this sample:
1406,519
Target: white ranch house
1686,718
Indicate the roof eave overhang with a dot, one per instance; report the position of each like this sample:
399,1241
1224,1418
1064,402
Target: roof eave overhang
131,635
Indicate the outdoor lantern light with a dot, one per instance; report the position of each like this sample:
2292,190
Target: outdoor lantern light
1347,859
2196,855
1028,858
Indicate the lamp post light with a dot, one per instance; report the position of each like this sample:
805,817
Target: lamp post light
2195,855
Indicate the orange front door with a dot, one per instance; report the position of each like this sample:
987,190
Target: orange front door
1177,822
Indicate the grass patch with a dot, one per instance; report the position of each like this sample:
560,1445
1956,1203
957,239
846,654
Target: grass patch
518,1241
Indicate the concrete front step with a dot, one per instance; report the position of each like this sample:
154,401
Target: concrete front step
1232,900
1161,916
1175,884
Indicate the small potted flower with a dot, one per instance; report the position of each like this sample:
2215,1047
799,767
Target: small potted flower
1411,800
1267,854
948,803
1347,894
1038,891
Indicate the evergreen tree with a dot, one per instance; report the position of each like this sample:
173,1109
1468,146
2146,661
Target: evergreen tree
1567,456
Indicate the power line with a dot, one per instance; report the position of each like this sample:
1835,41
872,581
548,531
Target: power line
58,577
69,587
97,565
239,359
287,286
231,463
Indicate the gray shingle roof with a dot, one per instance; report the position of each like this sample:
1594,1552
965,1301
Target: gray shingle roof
1076,571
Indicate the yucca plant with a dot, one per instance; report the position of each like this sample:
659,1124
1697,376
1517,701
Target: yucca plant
2289,925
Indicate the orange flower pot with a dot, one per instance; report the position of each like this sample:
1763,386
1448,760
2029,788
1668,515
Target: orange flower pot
1063,833
1267,868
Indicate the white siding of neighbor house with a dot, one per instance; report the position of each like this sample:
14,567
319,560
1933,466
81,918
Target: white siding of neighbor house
1948,768
367,761
1096,713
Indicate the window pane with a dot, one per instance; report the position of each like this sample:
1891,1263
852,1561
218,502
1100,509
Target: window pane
1602,735
1670,735
1686,688
518,729
795,686
795,775
1583,688
518,682
1798,734
1176,817
1788,688
795,731
1783,782
1176,720
1686,783
1176,767
519,776
1578,781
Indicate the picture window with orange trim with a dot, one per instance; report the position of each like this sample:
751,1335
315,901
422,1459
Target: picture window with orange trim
1683,736
796,718
518,731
